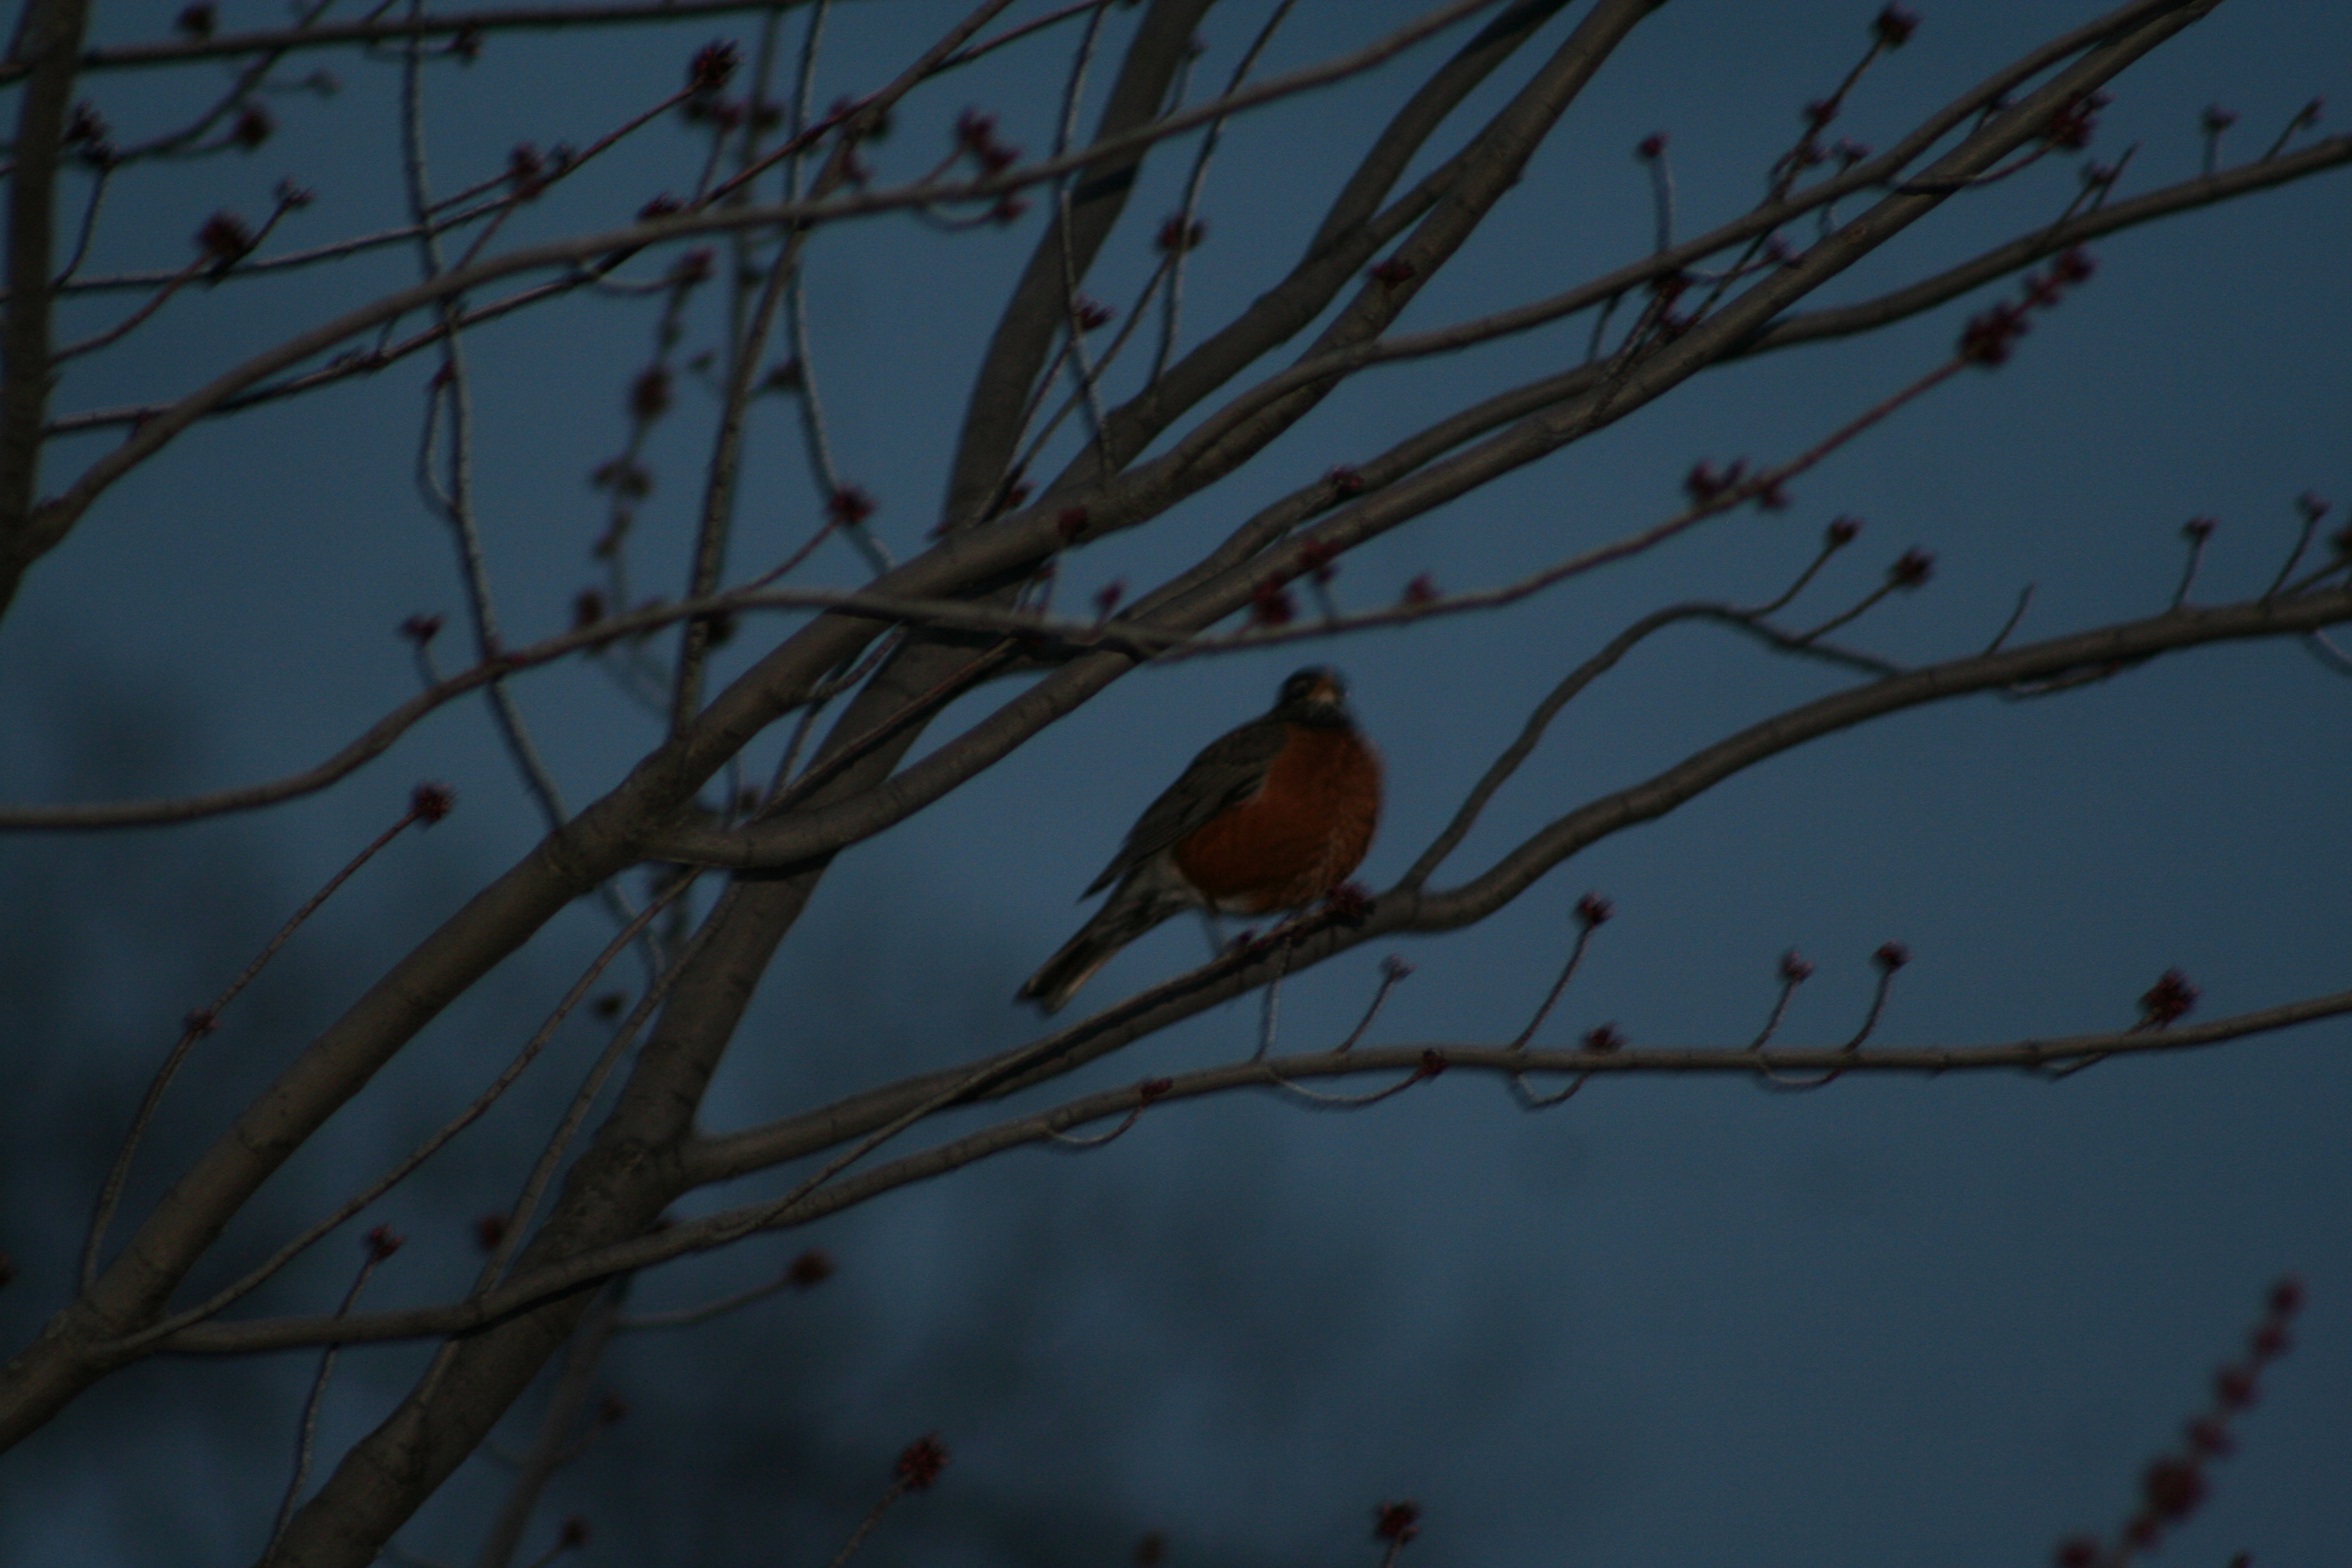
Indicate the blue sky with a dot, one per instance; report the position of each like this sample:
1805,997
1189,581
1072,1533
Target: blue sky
1896,1321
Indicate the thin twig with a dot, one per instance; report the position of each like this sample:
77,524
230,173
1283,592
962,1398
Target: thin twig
561,1438
1317,1100
792,1275
2024,599
1890,959
1529,1100
551,1157
379,1248
1854,613
377,30
866,1526
1794,972
2196,533
203,1022
1180,240
1392,971
102,179
1096,1140
2310,580
1661,197
1074,329
720,478
2307,115
2328,653
1584,929
254,1278
2302,542
247,80
1270,1006
132,322
342,367
1012,34
1161,276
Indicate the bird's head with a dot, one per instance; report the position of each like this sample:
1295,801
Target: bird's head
1316,695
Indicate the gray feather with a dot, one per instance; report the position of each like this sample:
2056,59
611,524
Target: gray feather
1229,771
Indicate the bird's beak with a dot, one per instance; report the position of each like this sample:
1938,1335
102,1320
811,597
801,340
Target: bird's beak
1327,691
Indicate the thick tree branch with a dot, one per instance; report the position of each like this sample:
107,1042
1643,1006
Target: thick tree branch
1352,231
631,1173
1234,434
561,1429
48,38
1036,312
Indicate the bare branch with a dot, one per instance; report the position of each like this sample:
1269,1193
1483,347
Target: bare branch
1475,182
285,40
788,840
1844,321
53,519
973,607
382,1244
452,497
717,1230
800,1274
261,1273
591,1086
429,803
50,523
48,40
2123,644
380,736
560,1429
1040,303
1404,907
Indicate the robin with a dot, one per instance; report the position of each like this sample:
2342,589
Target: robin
1271,817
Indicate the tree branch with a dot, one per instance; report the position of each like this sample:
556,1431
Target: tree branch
1421,1061
1036,312
2185,196
48,38
1192,602
1402,909
2111,647
48,523
285,40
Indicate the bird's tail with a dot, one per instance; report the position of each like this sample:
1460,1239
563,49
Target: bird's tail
1135,908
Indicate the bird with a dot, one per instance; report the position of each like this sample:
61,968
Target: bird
1271,816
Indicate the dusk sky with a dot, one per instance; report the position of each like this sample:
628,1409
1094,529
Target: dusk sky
1896,1321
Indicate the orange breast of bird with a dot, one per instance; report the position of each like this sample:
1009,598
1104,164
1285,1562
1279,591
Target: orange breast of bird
1299,836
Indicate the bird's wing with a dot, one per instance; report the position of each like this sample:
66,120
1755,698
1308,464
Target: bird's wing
1231,769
